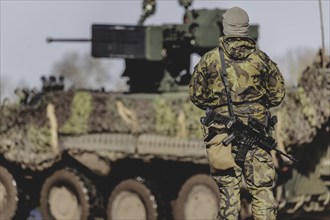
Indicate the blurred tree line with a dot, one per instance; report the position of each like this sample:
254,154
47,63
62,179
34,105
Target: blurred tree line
84,71
294,62
80,71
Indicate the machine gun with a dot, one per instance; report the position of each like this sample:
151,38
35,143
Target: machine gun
155,53
244,135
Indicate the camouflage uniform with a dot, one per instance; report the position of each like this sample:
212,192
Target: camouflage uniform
256,84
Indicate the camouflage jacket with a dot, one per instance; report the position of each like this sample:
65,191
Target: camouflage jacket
255,82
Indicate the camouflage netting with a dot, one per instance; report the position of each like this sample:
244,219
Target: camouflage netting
96,112
306,109
26,129
304,125
304,118
25,135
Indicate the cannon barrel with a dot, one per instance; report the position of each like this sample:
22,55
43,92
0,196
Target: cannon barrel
51,40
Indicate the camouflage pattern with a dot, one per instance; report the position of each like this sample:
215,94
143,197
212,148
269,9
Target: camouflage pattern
252,76
304,120
26,129
259,174
256,84
26,135
306,108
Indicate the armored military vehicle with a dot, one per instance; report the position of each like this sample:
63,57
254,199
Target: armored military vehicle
84,154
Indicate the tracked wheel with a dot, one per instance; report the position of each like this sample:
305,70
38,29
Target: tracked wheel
134,199
68,194
198,198
9,195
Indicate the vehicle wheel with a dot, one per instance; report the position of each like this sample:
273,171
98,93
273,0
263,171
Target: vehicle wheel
198,198
9,194
134,199
67,194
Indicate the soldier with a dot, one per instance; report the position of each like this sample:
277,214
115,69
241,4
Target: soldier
255,84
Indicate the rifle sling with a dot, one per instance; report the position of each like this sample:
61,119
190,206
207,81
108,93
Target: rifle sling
242,148
223,74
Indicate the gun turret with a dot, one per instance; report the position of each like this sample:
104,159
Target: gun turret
152,53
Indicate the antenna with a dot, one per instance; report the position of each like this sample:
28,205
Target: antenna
322,35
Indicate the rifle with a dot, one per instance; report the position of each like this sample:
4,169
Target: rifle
244,135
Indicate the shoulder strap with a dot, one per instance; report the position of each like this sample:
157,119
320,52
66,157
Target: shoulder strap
223,74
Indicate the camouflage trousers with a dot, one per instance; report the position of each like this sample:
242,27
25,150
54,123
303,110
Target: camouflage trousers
259,175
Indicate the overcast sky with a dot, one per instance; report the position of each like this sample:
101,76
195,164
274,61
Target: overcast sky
25,56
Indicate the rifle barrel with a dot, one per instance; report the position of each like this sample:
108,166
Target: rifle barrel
287,156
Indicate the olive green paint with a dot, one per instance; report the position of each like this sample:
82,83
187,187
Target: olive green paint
81,107
193,120
307,107
165,118
40,138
